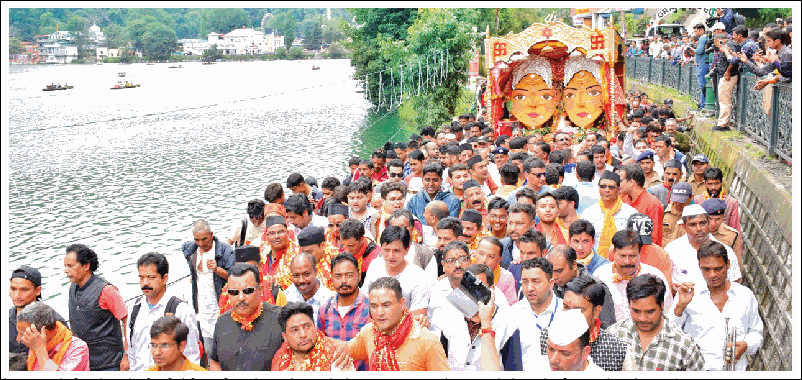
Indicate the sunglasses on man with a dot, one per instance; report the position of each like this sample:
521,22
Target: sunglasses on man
247,291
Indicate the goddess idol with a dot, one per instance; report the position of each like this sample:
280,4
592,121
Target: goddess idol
554,76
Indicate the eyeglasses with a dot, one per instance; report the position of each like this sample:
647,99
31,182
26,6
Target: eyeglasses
164,346
399,175
246,291
539,174
611,187
461,260
275,233
561,140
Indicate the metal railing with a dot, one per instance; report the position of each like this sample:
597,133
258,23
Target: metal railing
765,115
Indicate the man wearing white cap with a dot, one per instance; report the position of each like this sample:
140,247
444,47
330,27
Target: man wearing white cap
683,250
568,345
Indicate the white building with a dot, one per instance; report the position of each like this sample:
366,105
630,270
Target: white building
61,46
237,42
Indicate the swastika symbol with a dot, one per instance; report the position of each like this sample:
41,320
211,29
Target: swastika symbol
597,42
500,48
546,32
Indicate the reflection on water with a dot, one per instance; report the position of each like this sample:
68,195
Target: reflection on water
128,171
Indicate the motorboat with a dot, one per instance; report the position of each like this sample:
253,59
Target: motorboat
56,87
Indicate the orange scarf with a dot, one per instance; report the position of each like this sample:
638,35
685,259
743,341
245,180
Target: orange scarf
384,356
280,267
64,337
318,358
595,330
558,232
617,278
247,322
609,229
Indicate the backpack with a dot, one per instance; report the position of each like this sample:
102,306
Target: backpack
172,306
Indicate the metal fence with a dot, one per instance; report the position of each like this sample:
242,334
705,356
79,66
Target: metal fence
764,114
767,249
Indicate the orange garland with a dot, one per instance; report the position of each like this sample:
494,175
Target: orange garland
247,323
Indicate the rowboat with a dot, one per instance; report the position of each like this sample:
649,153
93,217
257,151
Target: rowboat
121,74
122,86
177,67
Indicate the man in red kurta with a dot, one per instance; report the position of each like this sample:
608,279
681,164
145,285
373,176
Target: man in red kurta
633,194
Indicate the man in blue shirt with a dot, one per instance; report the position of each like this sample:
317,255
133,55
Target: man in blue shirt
432,179
702,66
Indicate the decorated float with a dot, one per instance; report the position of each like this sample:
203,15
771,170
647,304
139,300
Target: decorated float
555,77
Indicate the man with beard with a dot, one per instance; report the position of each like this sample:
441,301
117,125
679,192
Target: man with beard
650,252
626,265
567,204
655,343
519,220
343,315
497,217
432,179
713,183
699,164
246,337
547,210
701,314
539,309
153,271
683,250
352,236
393,341
304,348
306,287
591,298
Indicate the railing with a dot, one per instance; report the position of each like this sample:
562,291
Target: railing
765,115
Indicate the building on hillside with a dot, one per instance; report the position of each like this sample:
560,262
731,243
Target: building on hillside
237,42
62,47
29,55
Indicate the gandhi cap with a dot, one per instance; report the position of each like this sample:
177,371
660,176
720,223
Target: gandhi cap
473,161
643,225
693,210
471,215
247,253
311,235
338,209
469,184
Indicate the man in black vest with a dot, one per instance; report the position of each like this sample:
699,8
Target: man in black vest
96,309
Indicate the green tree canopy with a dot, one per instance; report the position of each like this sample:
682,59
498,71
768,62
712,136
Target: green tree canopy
211,54
284,25
224,20
158,42
14,46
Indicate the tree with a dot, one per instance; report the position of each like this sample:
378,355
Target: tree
336,50
313,36
136,31
211,54
296,53
224,20
159,42
79,28
15,46
284,24
281,52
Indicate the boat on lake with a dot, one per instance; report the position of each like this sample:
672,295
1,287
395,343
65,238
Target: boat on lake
149,63
120,86
315,67
177,67
121,74
56,87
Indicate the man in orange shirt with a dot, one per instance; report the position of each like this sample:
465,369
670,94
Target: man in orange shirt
633,194
168,338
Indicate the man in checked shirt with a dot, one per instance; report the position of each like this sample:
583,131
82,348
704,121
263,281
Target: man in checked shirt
655,343
344,314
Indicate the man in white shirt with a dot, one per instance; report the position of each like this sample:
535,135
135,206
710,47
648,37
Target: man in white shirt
254,225
415,283
538,311
418,254
626,265
620,212
655,48
599,162
462,335
683,250
306,287
153,277
301,213
703,311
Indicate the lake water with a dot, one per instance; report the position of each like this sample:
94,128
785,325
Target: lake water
128,171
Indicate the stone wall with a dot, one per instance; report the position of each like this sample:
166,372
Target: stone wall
766,221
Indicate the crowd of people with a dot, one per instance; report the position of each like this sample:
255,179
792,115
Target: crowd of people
610,253
722,51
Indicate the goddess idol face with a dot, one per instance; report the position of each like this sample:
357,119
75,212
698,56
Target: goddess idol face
534,100
583,99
